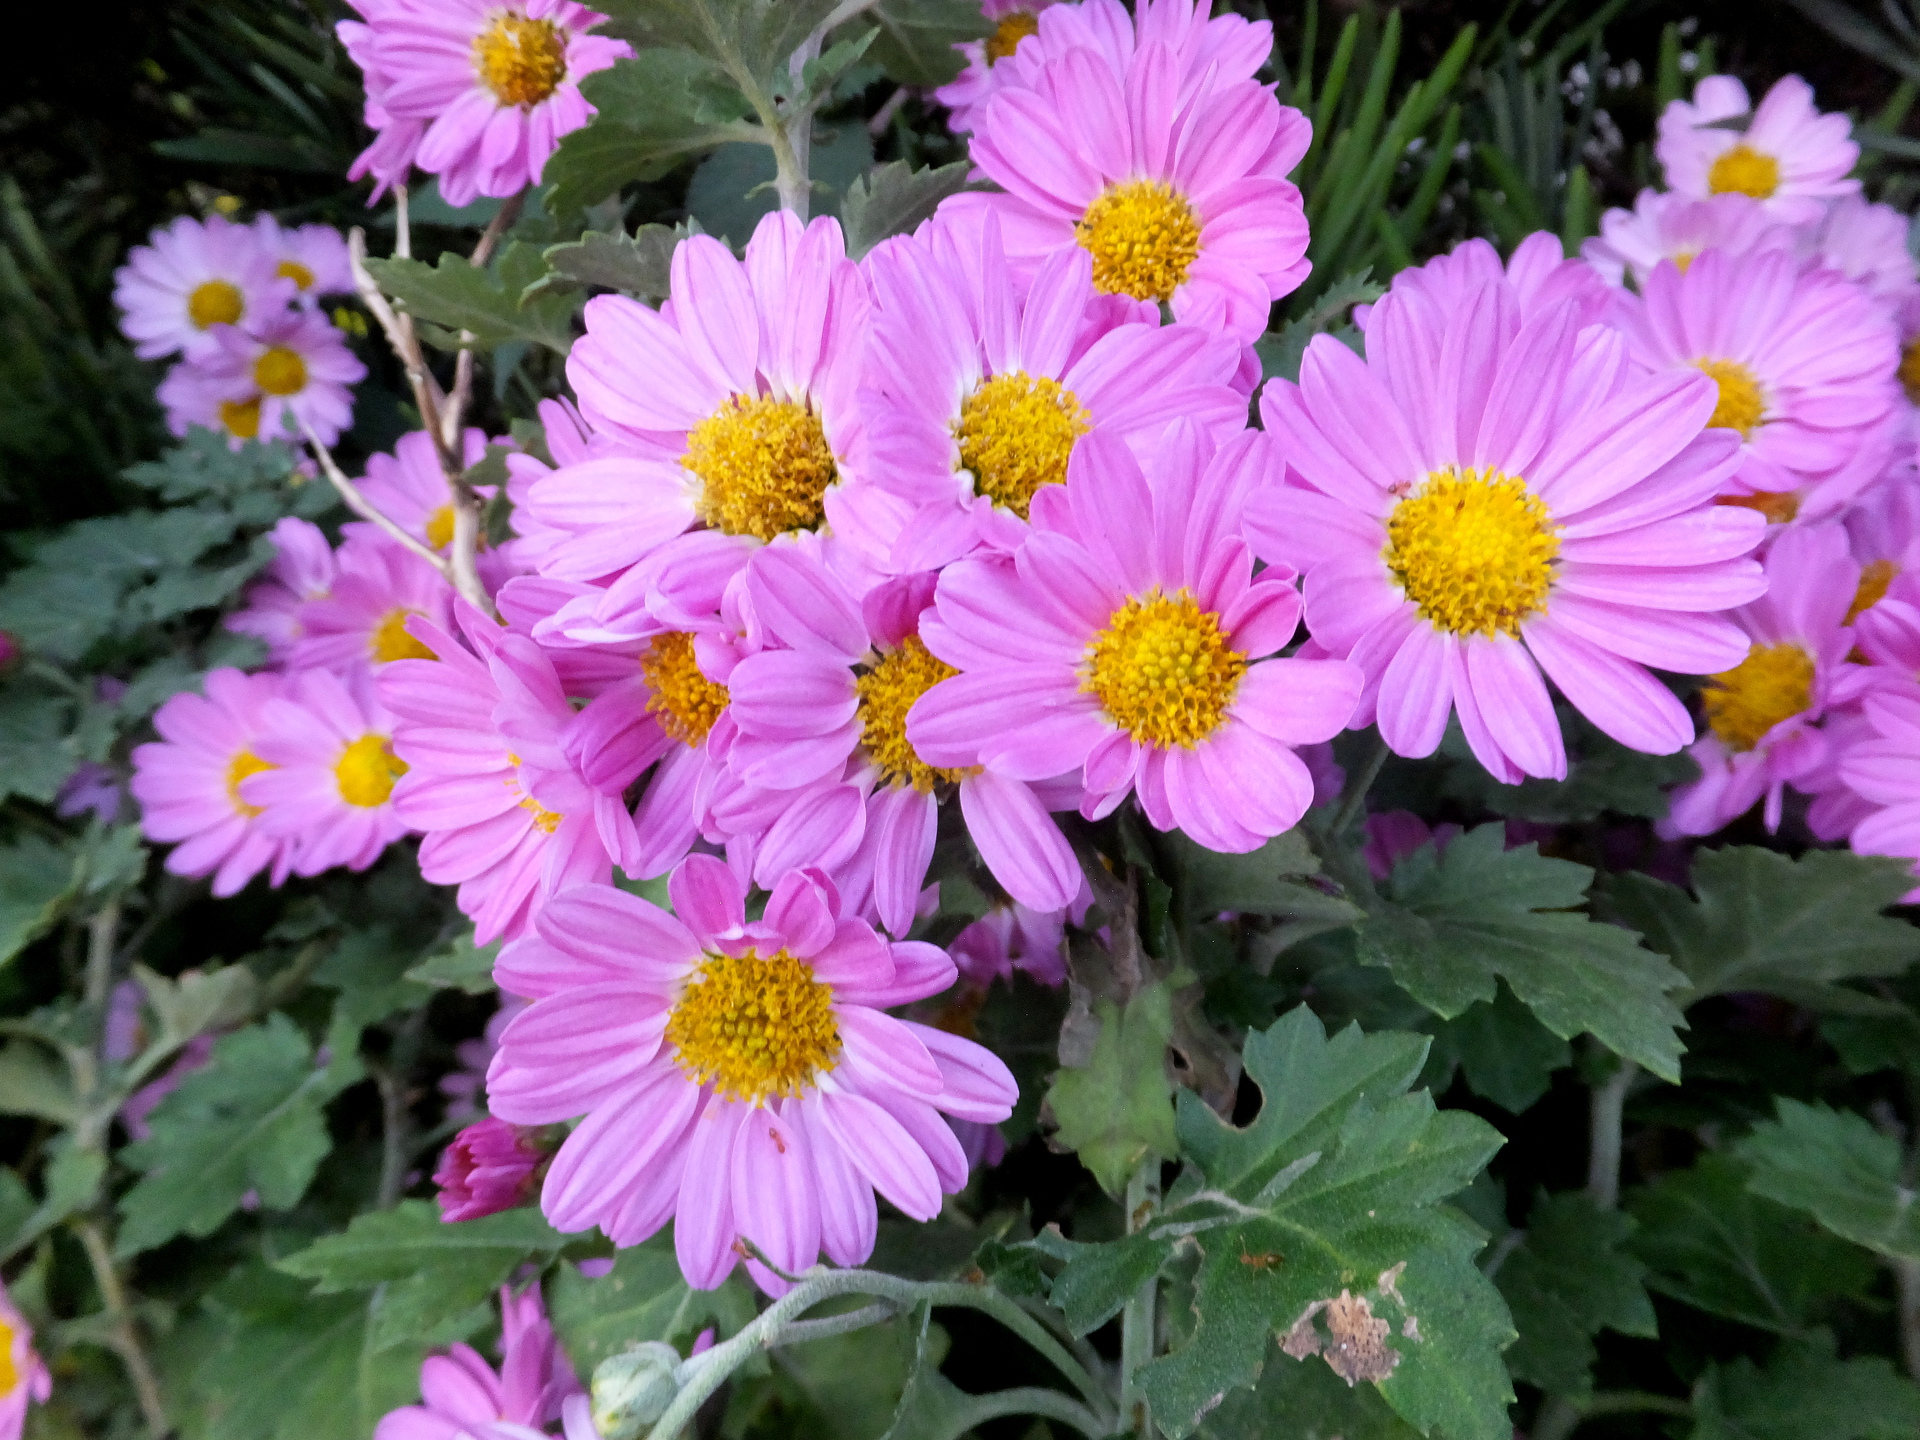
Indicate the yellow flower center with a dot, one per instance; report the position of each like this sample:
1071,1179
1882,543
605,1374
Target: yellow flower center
1740,406
299,274
887,693
1163,670
684,701
242,765
1008,34
1875,577
366,771
754,1026
241,417
1910,370
215,302
1016,432
1772,684
9,1372
764,467
440,527
1683,261
1745,171
1143,236
544,818
280,371
521,61
392,642
1474,549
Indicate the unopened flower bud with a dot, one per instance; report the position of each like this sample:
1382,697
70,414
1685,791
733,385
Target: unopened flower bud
490,1166
633,1389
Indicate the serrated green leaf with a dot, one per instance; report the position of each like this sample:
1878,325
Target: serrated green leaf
644,1297
1281,353
1569,1279
1319,1224
1758,919
370,968
1713,1244
916,40
71,1182
37,880
1506,1054
1099,1279
1453,921
733,188
637,264
752,38
930,1404
32,1082
1304,1400
251,1120
485,303
459,965
34,763
655,110
1806,1392
1836,1166
893,199
1117,1111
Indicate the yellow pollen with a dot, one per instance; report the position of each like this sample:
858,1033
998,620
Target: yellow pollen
366,771
1910,370
1778,506
215,302
1875,577
684,701
1745,171
1008,34
299,274
1016,432
1684,261
280,371
521,61
392,642
887,693
241,417
9,1372
1143,236
440,527
543,818
754,1027
1474,549
243,764
1774,683
1163,670
1740,406
764,467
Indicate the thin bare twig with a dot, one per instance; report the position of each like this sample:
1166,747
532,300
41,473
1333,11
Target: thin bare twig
453,414
365,508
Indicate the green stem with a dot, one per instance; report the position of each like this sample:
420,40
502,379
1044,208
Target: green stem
1137,1321
1354,798
122,1335
1027,1400
1607,1108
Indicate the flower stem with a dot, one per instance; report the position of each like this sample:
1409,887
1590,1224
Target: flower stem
1137,1321
1606,1108
1354,798
124,1339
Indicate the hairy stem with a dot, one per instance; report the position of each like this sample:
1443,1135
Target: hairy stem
365,508
102,930
1608,1105
396,1110
1137,1321
1027,1400
122,1335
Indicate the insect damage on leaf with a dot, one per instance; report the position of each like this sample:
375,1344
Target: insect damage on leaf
1354,1344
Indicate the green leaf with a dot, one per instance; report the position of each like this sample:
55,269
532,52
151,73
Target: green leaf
37,880
290,1365
204,467
1115,1111
1280,354
459,965
1835,1165
644,1297
1304,1400
434,1272
1806,1392
734,187
1507,1055
251,1120
197,1001
655,110
1099,1279
1604,777
1759,921
486,303
893,199
637,264
1319,1224
1453,921
32,1082
72,1183
1713,1244
1568,1280
371,970
751,39
931,1404
916,40
34,761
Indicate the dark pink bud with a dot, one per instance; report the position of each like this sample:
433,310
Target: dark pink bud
490,1166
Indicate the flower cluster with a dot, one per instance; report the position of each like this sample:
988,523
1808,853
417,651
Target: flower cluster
240,305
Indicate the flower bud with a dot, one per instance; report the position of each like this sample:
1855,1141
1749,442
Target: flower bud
633,1389
490,1166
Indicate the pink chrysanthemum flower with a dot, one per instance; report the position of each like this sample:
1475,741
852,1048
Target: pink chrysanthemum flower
1763,715
1014,21
1867,243
328,791
1666,226
822,737
188,783
300,572
1883,533
1882,767
637,1026
1208,49
1012,937
1480,499
506,815
265,381
192,276
362,619
1127,645
476,93
467,1399
24,1378
466,1087
1791,158
569,441
1177,187
312,257
1803,360
733,406
977,395
490,1166
1538,276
